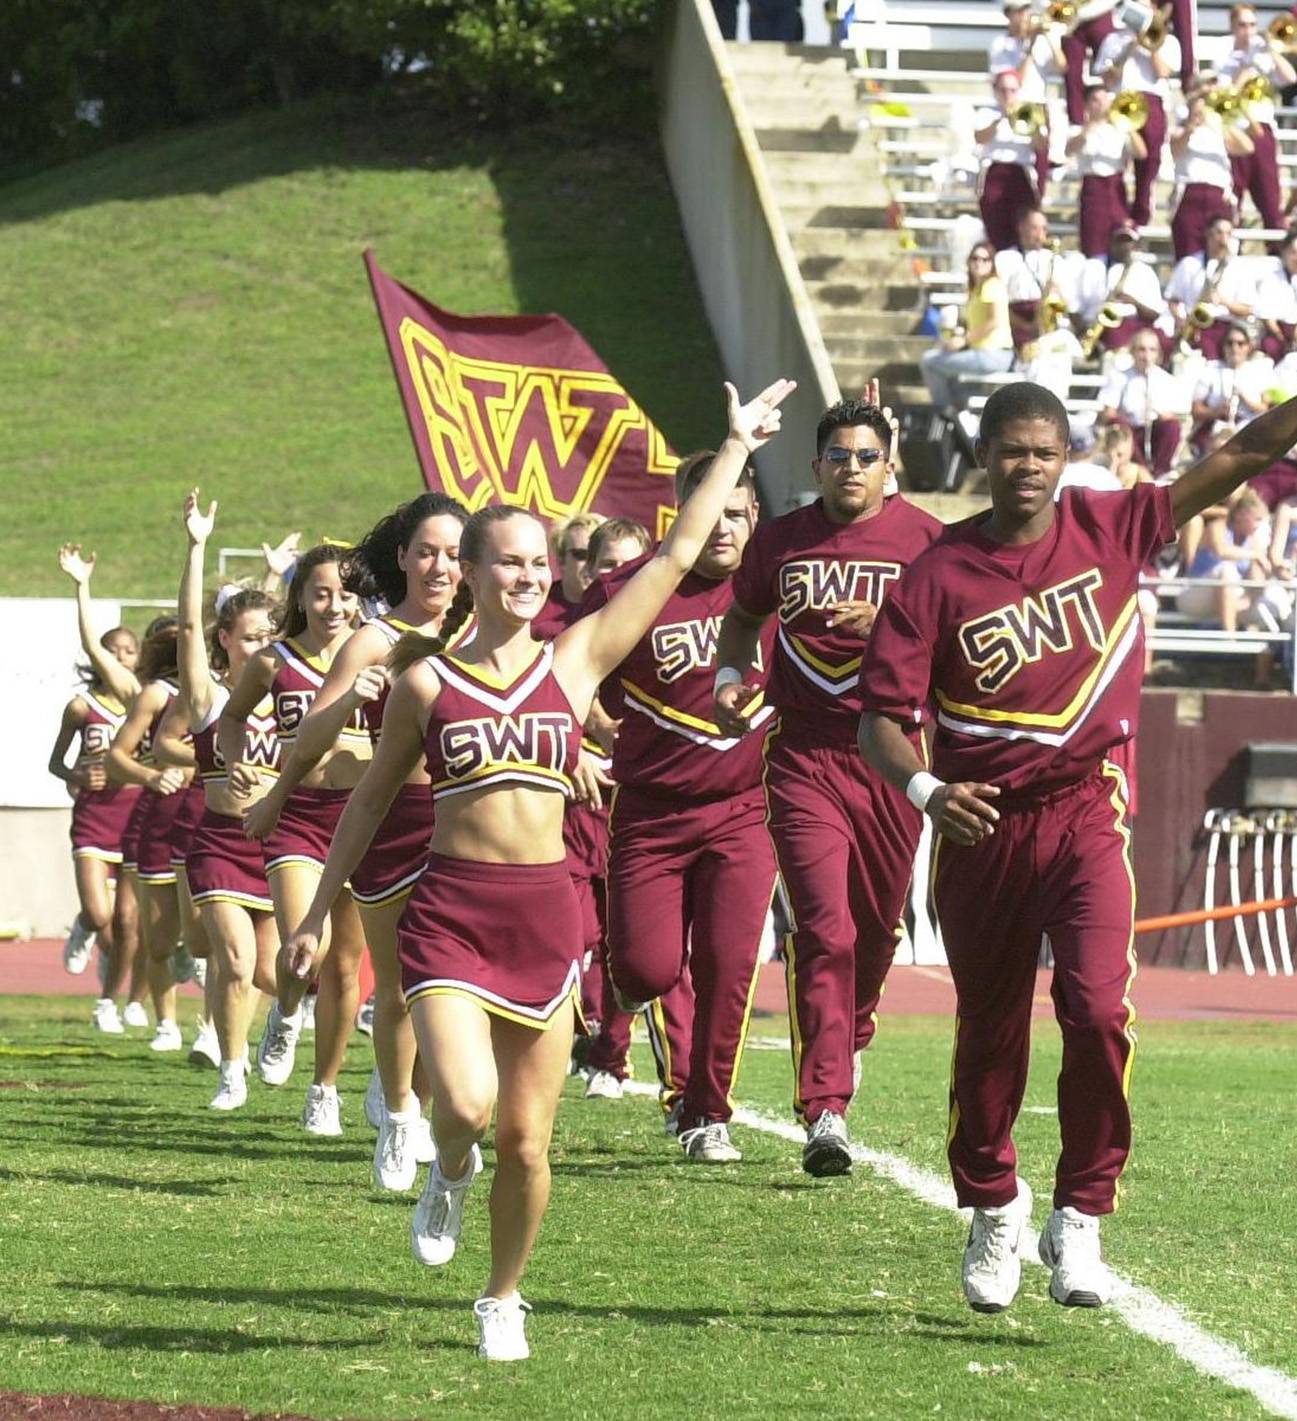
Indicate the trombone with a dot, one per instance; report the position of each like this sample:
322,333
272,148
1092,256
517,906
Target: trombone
1028,119
1129,111
1282,32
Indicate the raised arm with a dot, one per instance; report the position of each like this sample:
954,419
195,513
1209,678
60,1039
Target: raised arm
195,669
122,682
1250,452
398,752
587,651
88,775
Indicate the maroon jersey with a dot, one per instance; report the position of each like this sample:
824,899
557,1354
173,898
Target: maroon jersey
556,614
393,629
293,688
483,733
104,717
663,692
1027,654
144,751
798,566
261,744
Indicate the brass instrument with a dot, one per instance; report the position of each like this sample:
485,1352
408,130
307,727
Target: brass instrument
1129,111
1200,313
1053,308
1253,92
1153,36
1149,23
1028,119
1109,318
1282,32
1225,108
1061,12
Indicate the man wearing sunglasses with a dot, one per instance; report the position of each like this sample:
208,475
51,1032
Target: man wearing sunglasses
843,837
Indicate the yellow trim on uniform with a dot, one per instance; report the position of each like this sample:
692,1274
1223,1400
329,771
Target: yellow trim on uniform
826,668
656,1018
708,727
393,895
312,659
1120,799
1072,707
253,902
492,678
501,767
495,1009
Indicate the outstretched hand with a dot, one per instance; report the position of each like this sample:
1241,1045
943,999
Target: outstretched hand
873,395
729,706
280,559
198,524
756,422
78,567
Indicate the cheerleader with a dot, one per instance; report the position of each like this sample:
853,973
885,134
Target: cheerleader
409,561
296,833
490,942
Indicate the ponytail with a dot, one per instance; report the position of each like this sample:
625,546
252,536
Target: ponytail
414,646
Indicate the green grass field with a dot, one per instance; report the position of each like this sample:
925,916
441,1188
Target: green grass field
152,1250
193,309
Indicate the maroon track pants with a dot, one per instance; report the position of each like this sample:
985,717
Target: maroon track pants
1102,209
1056,865
1257,173
689,884
1087,36
845,841
1200,205
1007,192
1145,170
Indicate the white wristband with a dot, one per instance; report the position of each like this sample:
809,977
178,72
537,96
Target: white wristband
726,676
921,788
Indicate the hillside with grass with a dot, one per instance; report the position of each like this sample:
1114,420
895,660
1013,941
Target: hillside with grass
193,309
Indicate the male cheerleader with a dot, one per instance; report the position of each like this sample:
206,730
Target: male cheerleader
844,837
691,871
1019,630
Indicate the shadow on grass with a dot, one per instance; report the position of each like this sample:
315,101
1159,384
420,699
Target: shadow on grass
834,1321
181,1188
222,1342
171,1141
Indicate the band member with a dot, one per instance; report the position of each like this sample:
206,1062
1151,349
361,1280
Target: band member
1127,66
1008,183
1101,150
1231,390
1032,48
692,873
1256,56
1030,812
490,939
1210,290
409,560
844,840
1093,24
296,831
1276,300
1039,279
1150,400
1203,149
1123,288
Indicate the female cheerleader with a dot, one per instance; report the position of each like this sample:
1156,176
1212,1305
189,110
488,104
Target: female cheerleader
99,815
127,966
411,561
491,938
315,624
224,868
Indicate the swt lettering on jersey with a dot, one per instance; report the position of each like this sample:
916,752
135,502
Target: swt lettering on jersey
532,738
1000,643
679,647
813,585
291,708
96,739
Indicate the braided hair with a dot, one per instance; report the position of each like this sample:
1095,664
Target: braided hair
415,646
371,568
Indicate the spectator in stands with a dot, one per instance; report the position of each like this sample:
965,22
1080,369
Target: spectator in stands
1149,400
1117,451
767,19
1083,469
1127,66
987,345
1008,183
1093,25
1231,390
1123,283
1276,299
1102,151
1203,150
1255,55
1210,290
1035,271
1229,547
1032,48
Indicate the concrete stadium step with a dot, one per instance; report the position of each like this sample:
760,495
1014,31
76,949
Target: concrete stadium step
892,346
856,321
849,242
877,309
832,136
889,279
902,385
832,173
773,58
840,216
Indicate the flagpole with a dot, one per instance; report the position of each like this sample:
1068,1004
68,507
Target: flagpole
391,355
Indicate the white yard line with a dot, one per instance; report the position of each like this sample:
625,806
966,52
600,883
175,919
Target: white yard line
1141,1310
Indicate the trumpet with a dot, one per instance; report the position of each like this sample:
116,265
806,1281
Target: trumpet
1225,108
1254,92
1282,32
1129,111
1028,119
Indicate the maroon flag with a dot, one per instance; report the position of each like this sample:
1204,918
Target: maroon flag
519,409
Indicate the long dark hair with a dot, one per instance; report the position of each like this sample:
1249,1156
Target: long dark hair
159,650
414,646
291,620
371,569
245,599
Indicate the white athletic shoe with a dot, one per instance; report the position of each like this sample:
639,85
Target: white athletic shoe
1069,1247
439,1214
365,1017
232,1093
709,1143
993,1253
307,1012
76,950
206,1050
395,1163
322,1113
425,1147
375,1104
603,1085
105,1017
135,1015
200,972
183,964
501,1328
167,1037
278,1047
827,1150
